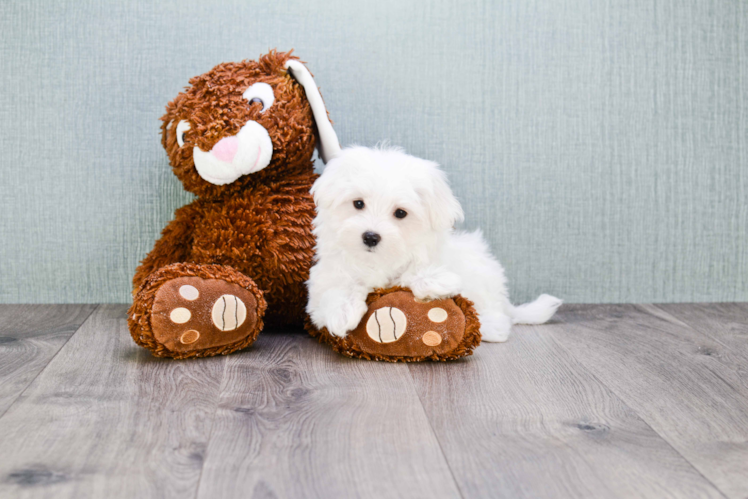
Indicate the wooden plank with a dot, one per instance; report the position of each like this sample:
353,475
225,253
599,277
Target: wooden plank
675,377
301,421
524,419
725,323
105,419
31,335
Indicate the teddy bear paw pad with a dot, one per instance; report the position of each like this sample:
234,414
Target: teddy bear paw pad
399,327
192,313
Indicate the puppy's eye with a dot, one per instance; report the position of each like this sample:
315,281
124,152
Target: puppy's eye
182,129
359,204
262,93
400,213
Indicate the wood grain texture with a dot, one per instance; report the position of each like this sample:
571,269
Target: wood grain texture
107,419
524,419
606,401
726,324
684,384
298,420
30,336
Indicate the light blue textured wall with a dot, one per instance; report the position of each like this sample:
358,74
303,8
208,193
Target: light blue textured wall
601,145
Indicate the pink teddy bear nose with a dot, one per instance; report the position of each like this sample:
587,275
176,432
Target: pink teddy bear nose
226,149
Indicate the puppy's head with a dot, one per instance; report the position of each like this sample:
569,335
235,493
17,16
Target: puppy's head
382,205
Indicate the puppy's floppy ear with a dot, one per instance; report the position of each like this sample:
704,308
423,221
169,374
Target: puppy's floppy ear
443,208
328,146
330,188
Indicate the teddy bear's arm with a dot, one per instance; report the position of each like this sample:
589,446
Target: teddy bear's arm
173,245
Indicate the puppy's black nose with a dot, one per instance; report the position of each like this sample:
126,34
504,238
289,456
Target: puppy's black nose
371,239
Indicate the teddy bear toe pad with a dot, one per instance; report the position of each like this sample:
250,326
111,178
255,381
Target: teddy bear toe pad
192,313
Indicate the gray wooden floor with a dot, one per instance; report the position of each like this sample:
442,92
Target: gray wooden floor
606,401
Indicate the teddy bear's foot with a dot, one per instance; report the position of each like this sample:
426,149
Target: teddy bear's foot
188,310
397,327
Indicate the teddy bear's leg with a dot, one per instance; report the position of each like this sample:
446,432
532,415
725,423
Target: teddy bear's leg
398,327
188,310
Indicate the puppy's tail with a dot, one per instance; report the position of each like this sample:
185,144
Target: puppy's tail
536,312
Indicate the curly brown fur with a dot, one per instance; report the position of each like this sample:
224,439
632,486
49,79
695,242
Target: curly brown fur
260,224
348,347
215,108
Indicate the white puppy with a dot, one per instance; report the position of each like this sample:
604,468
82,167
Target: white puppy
385,218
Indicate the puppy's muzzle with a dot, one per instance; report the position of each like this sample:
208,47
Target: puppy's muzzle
371,239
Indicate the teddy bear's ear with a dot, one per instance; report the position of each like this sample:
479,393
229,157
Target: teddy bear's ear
329,146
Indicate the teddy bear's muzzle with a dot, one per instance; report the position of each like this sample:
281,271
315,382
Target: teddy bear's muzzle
247,152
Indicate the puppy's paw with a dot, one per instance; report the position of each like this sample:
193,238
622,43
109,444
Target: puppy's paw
340,313
495,326
436,285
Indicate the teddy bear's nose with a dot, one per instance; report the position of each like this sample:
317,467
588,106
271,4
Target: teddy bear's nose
226,148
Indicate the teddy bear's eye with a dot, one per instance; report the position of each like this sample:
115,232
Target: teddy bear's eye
262,93
359,204
182,129
400,213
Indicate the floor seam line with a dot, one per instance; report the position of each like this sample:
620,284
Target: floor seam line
641,417
690,325
436,436
212,425
31,382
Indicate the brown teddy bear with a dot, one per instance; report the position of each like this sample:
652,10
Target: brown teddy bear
241,138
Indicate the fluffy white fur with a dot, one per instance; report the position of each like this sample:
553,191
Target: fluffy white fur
421,251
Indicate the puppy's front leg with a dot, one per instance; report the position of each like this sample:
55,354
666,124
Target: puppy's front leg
336,300
432,283
343,309
335,303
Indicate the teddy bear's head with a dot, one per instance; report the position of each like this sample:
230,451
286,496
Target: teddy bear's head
245,122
